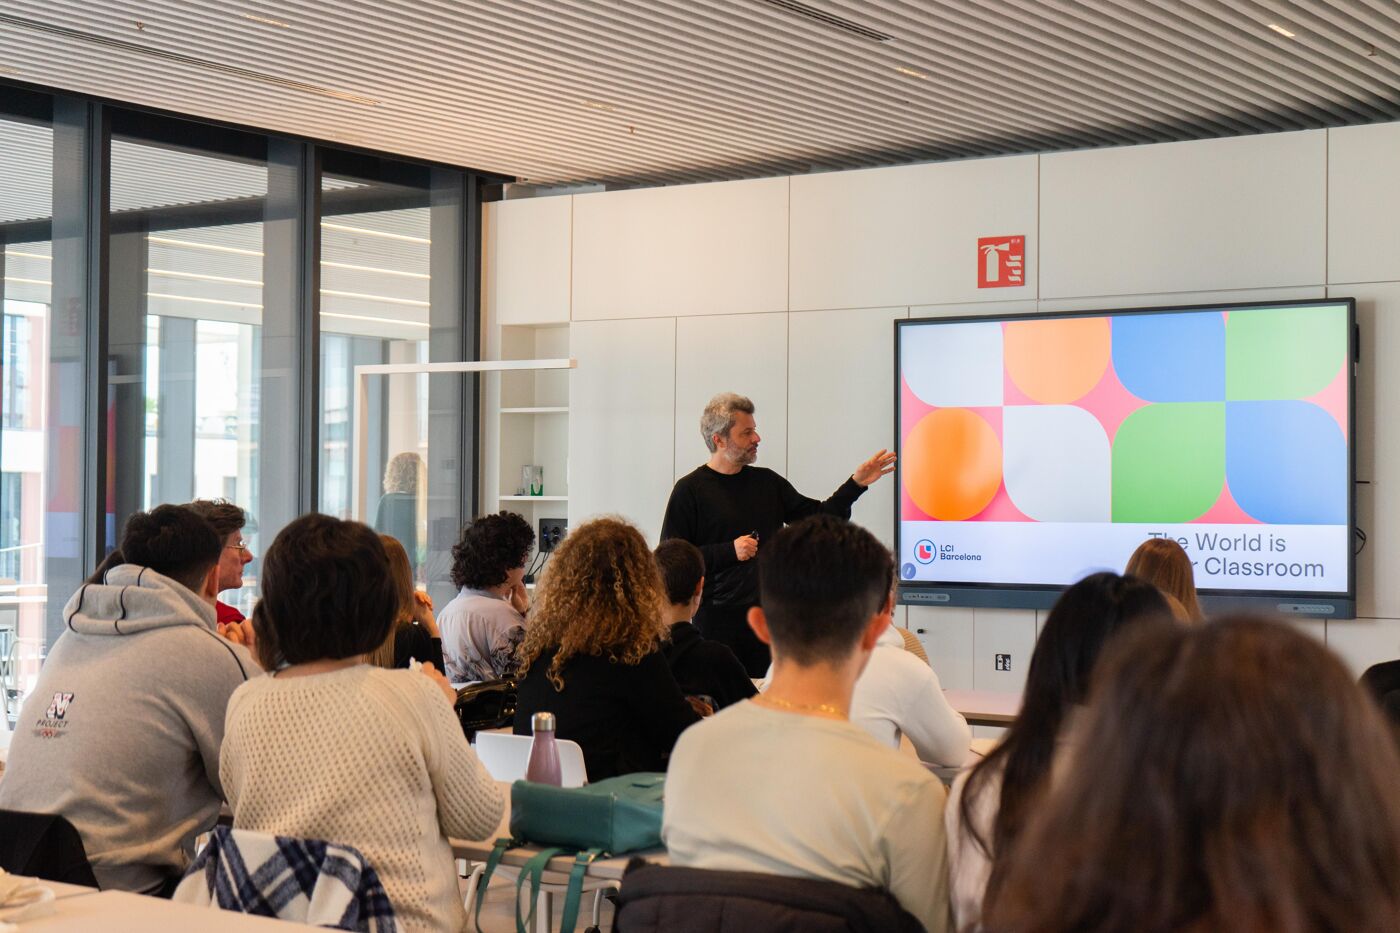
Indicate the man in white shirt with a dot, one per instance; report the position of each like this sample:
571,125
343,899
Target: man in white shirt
785,783
898,694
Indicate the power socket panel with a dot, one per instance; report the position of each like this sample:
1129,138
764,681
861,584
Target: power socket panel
552,531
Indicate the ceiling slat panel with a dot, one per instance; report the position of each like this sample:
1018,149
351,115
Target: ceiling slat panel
629,92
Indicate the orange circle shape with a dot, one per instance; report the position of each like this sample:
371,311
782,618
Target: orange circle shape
951,464
1059,360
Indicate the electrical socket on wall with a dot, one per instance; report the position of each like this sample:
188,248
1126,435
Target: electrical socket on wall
552,531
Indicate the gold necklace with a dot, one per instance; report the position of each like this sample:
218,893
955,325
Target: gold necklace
828,708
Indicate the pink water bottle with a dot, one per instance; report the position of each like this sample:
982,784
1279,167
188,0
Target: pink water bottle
543,767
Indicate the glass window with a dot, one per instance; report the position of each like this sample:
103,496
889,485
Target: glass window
191,306
27,493
391,273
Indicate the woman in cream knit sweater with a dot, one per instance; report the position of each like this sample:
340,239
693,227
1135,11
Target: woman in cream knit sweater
328,747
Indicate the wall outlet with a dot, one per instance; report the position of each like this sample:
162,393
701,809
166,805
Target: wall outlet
552,531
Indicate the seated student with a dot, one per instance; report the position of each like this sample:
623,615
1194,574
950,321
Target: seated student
227,520
1166,565
484,623
785,783
703,668
989,804
121,734
415,635
1238,780
331,748
592,654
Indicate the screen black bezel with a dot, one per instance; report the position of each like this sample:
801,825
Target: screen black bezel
1042,596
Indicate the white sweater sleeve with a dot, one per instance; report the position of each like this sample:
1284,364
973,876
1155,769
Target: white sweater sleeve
470,805
938,732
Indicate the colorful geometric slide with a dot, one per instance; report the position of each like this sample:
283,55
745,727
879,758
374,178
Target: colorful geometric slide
1193,416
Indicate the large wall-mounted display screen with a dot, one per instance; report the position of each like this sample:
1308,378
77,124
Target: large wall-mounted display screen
1036,449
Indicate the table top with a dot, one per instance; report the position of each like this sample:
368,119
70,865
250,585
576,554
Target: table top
985,707
124,912
608,868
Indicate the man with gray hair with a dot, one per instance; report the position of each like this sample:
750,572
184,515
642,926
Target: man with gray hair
726,506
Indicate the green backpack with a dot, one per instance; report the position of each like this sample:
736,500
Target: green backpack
611,817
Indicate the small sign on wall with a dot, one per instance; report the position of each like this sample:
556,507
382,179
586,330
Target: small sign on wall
1001,261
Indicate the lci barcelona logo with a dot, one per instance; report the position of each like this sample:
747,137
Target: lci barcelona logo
925,552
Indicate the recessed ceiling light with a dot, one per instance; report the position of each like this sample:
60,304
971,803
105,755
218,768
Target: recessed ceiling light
910,72
1281,31
266,20
7,70
599,105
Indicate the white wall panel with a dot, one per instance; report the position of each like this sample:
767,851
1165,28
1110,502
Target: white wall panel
696,249
1247,212
1363,203
841,405
1182,299
1363,642
1002,631
947,635
1377,446
621,418
908,235
526,260
746,354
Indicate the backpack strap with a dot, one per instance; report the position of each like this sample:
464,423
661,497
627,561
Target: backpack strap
533,870
575,891
493,860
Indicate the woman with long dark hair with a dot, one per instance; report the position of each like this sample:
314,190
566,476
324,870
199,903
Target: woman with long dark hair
989,804
1238,781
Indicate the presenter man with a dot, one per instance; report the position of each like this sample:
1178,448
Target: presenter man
727,507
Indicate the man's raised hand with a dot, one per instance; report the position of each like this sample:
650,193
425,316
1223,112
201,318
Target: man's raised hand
874,468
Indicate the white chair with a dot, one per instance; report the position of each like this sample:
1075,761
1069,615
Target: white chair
505,758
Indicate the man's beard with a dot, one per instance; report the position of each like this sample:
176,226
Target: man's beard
742,456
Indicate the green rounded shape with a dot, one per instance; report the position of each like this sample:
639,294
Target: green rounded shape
1169,462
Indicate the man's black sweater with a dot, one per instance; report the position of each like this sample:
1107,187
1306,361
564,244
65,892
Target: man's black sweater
710,509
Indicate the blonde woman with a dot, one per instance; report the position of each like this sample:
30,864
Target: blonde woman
1163,563
592,653
415,635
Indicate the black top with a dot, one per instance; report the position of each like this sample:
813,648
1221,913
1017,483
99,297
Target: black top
626,717
413,641
710,509
706,668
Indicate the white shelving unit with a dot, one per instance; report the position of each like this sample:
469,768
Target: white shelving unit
527,422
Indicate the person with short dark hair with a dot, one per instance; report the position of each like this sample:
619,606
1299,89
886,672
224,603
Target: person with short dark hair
228,521
121,734
482,625
703,668
1237,780
990,803
329,747
784,783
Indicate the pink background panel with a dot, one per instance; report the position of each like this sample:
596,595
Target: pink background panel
1333,399
1226,511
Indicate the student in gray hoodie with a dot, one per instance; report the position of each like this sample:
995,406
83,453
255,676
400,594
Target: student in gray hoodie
121,734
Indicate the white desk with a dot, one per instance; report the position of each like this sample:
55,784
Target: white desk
123,912
985,707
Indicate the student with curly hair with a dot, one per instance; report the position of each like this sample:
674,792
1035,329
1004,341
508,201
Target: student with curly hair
592,654
485,621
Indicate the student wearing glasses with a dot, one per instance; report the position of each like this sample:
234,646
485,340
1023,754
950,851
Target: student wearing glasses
227,521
